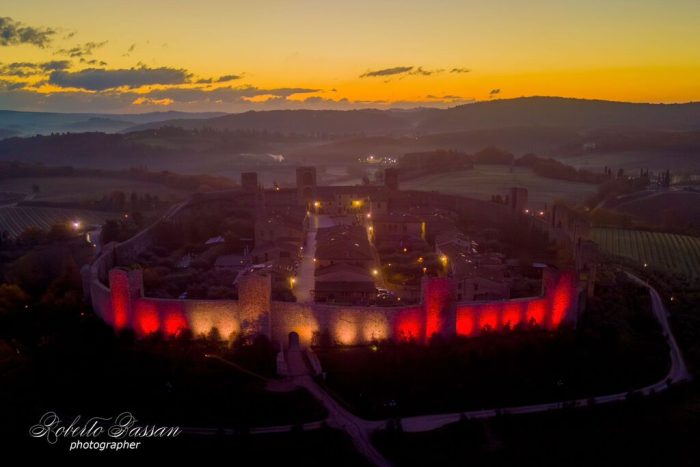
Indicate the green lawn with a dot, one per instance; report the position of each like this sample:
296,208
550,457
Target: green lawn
486,180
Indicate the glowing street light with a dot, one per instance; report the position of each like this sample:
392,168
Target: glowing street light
75,225
443,260
375,272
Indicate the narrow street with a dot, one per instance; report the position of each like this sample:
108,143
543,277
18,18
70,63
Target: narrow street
305,274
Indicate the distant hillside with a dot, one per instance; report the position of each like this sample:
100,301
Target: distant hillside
33,123
560,112
317,122
159,148
529,112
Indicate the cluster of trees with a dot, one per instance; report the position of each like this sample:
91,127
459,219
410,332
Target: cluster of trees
435,161
552,168
165,277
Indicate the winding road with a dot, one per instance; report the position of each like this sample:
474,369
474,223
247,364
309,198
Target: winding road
360,429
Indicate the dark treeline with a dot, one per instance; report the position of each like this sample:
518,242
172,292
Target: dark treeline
144,145
165,178
635,140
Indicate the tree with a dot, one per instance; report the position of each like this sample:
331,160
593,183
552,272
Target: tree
31,236
110,232
12,298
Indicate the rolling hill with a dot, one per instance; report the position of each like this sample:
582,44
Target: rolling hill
548,112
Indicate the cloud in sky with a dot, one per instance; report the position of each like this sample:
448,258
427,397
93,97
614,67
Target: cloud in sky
99,79
494,92
25,69
220,79
420,71
130,50
403,71
81,50
397,70
15,33
226,78
224,94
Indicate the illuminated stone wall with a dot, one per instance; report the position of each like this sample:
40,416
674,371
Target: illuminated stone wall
122,305
558,304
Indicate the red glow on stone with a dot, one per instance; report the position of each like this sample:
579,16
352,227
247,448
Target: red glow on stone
561,299
536,311
466,321
488,317
512,314
120,301
437,303
409,324
147,320
174,321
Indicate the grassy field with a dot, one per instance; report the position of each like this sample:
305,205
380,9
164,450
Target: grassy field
486,180
15,219
66,189
666,252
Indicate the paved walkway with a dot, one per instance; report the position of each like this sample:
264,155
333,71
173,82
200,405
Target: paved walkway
305,275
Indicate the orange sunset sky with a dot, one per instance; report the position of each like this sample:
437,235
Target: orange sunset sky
232,56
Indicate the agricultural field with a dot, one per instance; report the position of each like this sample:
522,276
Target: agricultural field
666,252
69,189
486,180
16,219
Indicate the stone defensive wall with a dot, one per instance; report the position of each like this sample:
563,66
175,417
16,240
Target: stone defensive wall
116,292
123,306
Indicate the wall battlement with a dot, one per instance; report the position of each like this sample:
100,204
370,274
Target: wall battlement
123,306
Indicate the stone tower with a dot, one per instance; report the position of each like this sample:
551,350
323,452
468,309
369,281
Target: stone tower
254,300
391,178
306,184
249,181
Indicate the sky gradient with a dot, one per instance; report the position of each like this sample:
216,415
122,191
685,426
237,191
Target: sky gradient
232,56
